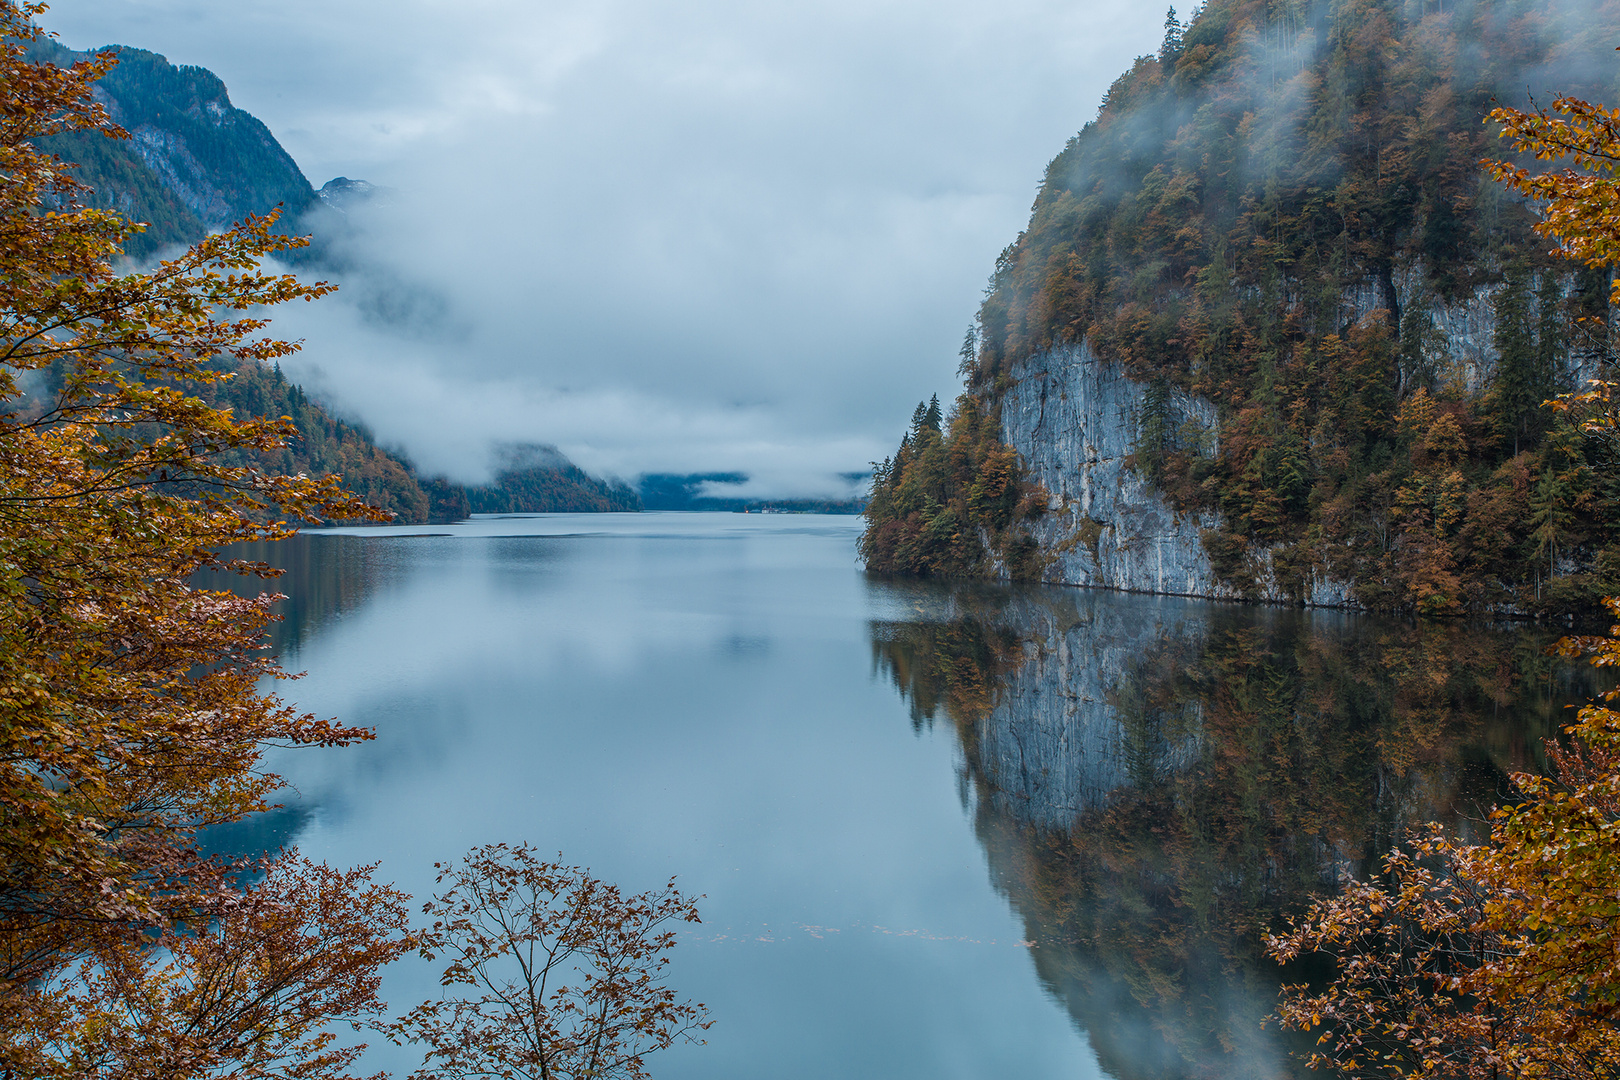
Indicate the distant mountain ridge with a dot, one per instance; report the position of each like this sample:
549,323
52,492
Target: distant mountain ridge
705,491
195,164
342,194
535,479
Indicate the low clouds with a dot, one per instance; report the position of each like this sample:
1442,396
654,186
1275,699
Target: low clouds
667,238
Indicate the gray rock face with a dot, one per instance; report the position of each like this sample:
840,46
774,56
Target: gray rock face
1073,417
168,155
1065,732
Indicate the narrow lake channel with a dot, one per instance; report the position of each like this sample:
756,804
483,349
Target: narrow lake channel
939,831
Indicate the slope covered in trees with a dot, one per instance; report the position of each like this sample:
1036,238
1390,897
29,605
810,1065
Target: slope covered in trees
539,480
949,502
326,444
1284,214
194,163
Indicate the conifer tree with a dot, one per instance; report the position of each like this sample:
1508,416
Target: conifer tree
969,353
1173,30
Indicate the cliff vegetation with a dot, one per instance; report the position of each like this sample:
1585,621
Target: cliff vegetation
1284,213
949,502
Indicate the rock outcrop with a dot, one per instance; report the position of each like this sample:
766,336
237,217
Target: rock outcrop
1073,417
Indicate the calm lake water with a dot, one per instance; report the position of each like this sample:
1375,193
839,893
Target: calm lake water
939,831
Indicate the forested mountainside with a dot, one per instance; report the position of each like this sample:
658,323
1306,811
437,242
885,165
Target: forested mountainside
1273,333
528,479
326,444
533,479
707,491
194,163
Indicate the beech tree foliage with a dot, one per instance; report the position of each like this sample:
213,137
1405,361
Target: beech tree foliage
251,985
1580,203
131,713
552,973
132,704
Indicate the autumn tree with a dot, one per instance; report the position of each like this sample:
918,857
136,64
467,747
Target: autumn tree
131,713
253,985
1499,959
953,501
1580,203
552,973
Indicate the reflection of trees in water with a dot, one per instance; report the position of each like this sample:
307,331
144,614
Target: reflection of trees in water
1156,782
325,576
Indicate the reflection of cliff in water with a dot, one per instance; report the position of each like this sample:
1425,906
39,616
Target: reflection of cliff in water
1156,781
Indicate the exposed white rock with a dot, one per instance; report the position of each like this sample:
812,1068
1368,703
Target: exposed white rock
168,155
1072,415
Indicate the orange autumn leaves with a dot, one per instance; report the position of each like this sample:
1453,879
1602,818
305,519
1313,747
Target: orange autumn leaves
1580,202
1502,958
134,705
131,713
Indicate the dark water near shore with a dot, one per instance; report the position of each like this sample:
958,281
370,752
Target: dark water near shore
940,831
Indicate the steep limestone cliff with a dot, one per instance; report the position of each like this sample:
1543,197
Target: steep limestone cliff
1074,419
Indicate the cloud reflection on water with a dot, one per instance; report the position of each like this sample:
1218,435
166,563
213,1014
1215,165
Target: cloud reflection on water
585,692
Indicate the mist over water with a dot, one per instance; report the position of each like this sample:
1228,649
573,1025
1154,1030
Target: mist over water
712,237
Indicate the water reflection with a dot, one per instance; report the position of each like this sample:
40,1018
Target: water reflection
323,576
1156,781
1151,781
681,695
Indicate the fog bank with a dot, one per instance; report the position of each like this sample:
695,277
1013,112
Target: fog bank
706,237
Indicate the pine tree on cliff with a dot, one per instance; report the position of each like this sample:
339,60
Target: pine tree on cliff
1173,32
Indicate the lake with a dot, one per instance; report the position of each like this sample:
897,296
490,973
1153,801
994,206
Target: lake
939,831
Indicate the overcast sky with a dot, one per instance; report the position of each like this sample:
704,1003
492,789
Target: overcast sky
667,237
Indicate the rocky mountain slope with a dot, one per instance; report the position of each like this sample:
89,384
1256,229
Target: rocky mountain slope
193,163
1272,332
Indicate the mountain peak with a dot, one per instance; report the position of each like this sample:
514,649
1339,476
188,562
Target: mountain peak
343,194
